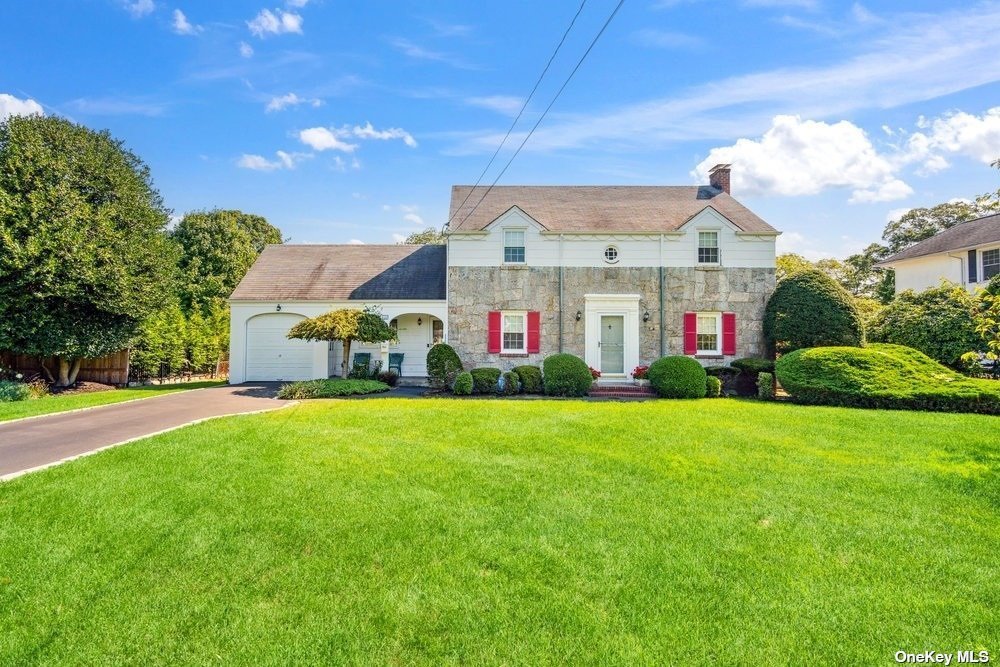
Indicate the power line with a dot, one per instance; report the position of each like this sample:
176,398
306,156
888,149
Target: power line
544,113
523,107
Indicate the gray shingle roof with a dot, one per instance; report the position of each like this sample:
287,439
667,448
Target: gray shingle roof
346,272
969,234
587,208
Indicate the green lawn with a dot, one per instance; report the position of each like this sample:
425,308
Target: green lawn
522,532
61,403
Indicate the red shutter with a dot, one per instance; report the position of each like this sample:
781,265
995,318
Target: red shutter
729,333
493,327
534,331
690,333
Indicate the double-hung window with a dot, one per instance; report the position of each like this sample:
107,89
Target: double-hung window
513,246
514,333
708,247
709,333
991,263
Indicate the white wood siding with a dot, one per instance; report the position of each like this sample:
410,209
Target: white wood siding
542,249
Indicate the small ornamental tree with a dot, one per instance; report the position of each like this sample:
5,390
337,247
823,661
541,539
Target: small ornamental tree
809,309
939,322
346,325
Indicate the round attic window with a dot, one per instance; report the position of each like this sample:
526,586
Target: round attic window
611,254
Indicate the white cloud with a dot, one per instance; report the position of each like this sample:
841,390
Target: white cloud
260,163
795,242
290,100
961,133
398,238
414,218
340,164
804,157
504,104
275,23
417,52
182,26
324,139
246,50
896,213
356,242
369,132
12,106
139,8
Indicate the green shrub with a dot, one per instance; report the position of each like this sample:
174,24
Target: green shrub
363,371
566,375
443,365
678,377
531,379
13,391
810,309
728,376
484,380
882,376
510,384
765,386
750,368
388,377
463,384
939,322
331,388
713,387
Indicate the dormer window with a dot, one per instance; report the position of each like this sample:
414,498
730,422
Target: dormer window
708,247
513,246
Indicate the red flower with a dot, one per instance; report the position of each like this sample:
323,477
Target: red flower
594,373
639,373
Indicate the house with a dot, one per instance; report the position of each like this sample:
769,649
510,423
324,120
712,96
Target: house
618,275
967,254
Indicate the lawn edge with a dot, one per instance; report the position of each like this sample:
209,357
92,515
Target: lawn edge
102,405
20,473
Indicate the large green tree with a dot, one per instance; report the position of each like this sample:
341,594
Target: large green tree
217,248
84,257
429,236
922,223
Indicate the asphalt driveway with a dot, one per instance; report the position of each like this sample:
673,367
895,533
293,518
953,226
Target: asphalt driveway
41,441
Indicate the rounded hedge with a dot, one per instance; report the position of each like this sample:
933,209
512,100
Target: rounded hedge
678,377
510,384
810,309
882,376
531,379
463,384
713,387
484,380
566,375
442,364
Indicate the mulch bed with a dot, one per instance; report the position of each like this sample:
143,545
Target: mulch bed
81,388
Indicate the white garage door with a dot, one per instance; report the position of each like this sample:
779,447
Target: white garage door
270,355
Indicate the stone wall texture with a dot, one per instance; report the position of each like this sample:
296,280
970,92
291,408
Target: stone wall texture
474,291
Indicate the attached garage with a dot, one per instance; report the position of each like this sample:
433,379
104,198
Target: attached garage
270,355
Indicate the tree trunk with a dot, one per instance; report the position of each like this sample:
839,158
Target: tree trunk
75,370
345,367
68,371
45,369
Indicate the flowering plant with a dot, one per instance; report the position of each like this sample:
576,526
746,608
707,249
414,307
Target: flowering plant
639,372
594,373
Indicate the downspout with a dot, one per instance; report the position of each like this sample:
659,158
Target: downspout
560,293
663,333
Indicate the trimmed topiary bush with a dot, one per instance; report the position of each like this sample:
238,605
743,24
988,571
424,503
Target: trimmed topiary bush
531,379
484,380
678,377
443,365
566,375
510,384
463,384
937,321
882,376
810,309
765,386
713,387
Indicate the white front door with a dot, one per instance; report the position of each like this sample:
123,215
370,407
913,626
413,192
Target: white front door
612,344
415,336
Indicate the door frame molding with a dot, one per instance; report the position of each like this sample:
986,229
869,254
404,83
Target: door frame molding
626,305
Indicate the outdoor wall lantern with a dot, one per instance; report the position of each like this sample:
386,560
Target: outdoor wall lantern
579,316
278,308
645,316
420,321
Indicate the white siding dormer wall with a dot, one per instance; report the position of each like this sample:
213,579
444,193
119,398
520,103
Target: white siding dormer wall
680,249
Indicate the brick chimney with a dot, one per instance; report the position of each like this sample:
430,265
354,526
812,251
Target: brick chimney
718,177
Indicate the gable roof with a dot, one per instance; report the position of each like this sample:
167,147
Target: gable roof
346,272
589,208
962,236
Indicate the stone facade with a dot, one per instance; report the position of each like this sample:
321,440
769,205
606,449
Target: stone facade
474,291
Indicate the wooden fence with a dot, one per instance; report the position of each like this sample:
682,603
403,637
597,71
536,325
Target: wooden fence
109,369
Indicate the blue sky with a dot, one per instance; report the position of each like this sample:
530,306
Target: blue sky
343,121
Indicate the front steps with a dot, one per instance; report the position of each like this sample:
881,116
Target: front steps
608,390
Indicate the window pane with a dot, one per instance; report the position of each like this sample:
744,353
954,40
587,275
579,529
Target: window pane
513,255
991,263
708,239
708,255
513,238
708,342
513,323
513,341
707,324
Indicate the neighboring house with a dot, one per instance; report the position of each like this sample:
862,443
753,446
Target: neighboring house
619,276
967,254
